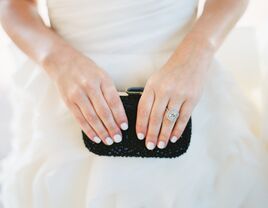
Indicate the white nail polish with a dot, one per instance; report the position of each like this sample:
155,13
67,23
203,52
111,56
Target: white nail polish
140,136
150,145
174,139
124,126
117,138
161,145
109,140
97,139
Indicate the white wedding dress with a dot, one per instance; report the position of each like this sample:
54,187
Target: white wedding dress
49,166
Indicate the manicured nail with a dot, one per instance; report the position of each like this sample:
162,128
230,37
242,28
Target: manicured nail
140,136
174,139
97,139
109,140
124,126
150,145
117,138
161,145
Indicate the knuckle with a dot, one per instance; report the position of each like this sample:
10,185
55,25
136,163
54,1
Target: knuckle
91,117
91,91
176,128
107,83
164,136
111,125
104,76
103,134
150,82
180,126
113,130
79,117
181,93
155,119
74,94
152,133
142,112
152,136
85,83
140,126
99,128
121,117
176,133
161,92
83,122
113,102
184,118
165,88
105,113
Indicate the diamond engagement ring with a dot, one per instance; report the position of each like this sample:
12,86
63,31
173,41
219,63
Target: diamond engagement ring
172,114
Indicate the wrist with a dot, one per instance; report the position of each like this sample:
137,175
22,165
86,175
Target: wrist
192,49
202,42
199,46
55,57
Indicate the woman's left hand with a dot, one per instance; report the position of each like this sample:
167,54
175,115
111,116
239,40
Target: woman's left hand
178,84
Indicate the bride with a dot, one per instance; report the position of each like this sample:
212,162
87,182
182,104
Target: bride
71,80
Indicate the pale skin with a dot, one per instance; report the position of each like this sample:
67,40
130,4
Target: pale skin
90,93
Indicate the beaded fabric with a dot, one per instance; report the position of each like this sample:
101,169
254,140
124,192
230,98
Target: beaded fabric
131,146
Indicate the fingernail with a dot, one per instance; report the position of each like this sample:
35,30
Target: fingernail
174,139
117,138
97,139
124,126
140,136
150,145
109,140
161,145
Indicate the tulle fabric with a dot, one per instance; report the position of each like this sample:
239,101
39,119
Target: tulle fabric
49,165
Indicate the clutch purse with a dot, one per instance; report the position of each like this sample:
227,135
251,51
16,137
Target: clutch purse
131,146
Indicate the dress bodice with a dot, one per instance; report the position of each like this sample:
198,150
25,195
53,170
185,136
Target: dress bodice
122,26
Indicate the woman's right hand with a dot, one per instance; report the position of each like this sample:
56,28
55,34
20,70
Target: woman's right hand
89,93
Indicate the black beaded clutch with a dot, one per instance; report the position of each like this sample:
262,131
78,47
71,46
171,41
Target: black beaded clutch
131,146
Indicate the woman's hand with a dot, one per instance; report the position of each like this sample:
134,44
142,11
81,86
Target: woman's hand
178,84
86,89
89,93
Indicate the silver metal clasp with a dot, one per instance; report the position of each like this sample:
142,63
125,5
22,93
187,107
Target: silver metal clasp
134,90
131,91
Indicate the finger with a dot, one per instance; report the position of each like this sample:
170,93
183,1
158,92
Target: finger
92,118
184,116
168,125
143,112
155,121
102,109
89,131
113,99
